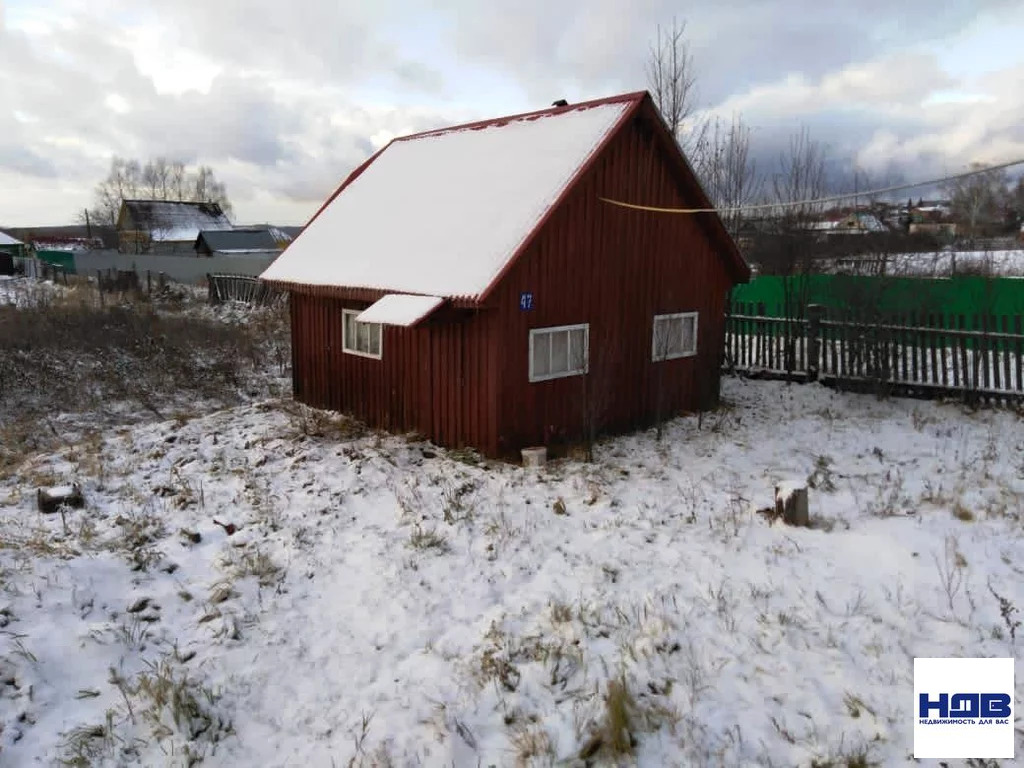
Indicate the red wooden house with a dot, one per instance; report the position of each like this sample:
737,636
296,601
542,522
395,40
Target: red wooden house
470,284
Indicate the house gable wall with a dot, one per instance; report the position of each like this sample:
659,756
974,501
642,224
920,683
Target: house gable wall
615,269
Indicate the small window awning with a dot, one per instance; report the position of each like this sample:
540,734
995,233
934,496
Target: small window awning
400,309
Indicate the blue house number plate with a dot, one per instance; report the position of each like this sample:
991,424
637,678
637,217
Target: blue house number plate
526,301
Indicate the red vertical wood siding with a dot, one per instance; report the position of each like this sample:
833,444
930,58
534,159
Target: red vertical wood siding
614,269
462,376
433,379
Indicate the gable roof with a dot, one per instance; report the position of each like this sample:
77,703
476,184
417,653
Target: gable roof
446,212
172,220
238,240
6,239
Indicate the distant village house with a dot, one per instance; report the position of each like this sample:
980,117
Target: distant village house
244,241
166,226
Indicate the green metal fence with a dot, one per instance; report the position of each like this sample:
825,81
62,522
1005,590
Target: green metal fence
946,298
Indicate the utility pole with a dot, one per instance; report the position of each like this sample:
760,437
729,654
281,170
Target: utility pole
88,226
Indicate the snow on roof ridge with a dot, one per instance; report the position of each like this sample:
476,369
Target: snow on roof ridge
445,217
552,111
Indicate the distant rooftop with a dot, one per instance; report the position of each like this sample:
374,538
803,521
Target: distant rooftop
172,220
6,239
247,240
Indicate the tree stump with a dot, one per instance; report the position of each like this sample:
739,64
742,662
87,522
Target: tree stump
50,500
791,503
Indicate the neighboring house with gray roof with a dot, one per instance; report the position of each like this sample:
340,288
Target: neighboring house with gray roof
254,241
9,248
166,226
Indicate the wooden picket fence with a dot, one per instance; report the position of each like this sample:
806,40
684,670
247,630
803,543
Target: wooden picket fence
242,288
975,358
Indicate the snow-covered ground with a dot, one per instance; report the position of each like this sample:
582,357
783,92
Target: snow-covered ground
385,602
24,292
997,263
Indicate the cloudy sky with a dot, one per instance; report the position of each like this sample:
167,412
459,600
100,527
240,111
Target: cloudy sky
282,99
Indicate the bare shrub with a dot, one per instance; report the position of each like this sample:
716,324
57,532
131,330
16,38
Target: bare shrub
951,567
426,539
74,357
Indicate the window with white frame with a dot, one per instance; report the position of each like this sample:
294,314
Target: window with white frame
674,336
558,352
360,338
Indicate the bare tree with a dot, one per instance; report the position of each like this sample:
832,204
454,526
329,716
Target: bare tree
206,189
727,170
671,77
177,180
788,247
158,179
979,201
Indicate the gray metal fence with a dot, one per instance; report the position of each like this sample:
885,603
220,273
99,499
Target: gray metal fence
927,356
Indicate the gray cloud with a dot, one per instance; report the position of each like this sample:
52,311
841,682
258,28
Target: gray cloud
285,99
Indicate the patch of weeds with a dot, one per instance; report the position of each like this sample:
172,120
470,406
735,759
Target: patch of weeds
962,513
951,567
855,706
625,716
426,539
889,499
257,564
455,506
139,534
496,661
173,702
559,507
221,593
37,541
499,531
919,419
263,502
306,422
468,456
561,613
19,648
822,478
88,745
1007,610
858,757
134,633
933,494
532,744
495,665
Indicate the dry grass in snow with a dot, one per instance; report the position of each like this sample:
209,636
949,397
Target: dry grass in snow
379,602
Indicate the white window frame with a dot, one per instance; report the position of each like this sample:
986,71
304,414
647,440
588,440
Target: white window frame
346,314
535,332
656,355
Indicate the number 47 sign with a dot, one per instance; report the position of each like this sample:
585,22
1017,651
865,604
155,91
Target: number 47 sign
526,301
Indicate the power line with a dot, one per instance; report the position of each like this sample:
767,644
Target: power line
819,200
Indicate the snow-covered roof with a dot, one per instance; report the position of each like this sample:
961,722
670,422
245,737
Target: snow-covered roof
870,222
400,309
175,220
6,239
444,212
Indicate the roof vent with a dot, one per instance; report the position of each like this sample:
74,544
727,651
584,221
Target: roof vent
560,103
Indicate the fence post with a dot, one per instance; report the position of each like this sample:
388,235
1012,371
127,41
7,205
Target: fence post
209,288
815,313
